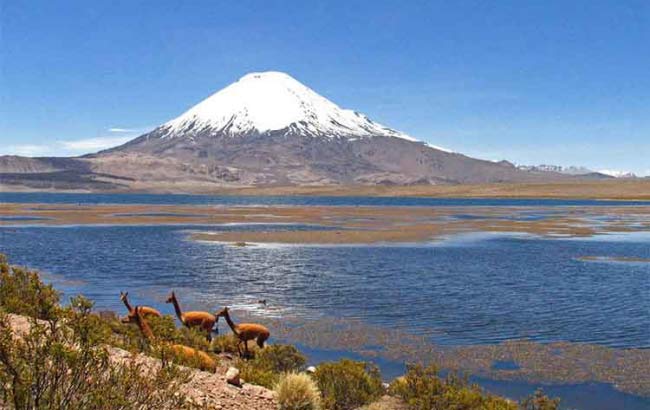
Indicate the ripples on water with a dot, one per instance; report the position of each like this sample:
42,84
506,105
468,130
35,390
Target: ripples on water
468,290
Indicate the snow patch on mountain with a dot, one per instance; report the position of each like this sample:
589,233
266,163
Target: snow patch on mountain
576,170
271,101
570,170
617,173
439,148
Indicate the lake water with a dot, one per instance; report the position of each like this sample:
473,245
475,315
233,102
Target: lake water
469,289
465,290
178,199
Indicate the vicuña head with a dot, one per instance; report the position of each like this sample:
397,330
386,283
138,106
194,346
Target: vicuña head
223,311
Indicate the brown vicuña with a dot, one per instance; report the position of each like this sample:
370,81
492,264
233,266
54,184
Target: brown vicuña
245,331
205,361
145,310
202,320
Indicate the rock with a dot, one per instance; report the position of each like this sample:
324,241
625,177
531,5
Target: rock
232,376
311,369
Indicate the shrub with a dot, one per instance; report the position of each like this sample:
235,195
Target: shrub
297,391
56,366
539,401
166,331
254,374
280,358
422,389
269,363
22,292
224,344
348,384
386,403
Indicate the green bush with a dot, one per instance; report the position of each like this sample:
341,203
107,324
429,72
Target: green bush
22,292
297,391
280,358
269,363
348,384
422,389
224,344
252,373
60,364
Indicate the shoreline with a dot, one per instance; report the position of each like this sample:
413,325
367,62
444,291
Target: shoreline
612,190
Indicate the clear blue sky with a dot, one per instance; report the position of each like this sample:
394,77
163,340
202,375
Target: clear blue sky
562,82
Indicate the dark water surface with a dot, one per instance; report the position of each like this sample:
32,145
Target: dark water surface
179,199
472,289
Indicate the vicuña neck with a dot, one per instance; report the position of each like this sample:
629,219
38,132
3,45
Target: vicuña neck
144,327
177,308
127,304
233,326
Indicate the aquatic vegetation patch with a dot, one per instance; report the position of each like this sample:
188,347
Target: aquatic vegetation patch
628,370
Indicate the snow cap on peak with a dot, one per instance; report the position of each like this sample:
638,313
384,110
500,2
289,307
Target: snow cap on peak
266,75
269,101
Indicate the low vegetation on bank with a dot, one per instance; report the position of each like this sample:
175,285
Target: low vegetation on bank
62,361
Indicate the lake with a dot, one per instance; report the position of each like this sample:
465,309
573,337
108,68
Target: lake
469,289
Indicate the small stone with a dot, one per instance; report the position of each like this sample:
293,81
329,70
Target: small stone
232,376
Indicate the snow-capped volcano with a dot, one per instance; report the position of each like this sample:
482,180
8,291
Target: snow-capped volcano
272,101
269,129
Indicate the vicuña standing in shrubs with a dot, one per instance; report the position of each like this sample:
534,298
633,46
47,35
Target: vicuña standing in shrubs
145,310
245,331
202,320
204,361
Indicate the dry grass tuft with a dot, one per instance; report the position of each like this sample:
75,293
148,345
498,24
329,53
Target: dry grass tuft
297,391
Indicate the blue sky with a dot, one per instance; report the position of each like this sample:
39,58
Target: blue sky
561,82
